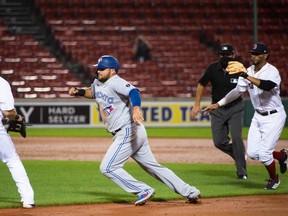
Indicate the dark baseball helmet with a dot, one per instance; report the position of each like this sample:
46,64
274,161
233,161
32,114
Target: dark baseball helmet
107,61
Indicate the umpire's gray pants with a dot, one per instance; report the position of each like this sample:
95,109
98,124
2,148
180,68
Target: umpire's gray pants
226,121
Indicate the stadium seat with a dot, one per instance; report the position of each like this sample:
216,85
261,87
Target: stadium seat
184,36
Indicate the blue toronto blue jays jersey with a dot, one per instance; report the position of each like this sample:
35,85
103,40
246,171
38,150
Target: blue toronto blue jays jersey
113,102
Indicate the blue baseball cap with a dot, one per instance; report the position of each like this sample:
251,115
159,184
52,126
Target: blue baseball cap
107,61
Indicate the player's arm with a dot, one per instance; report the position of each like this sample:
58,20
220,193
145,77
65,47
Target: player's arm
199,93
232,95
266,85
84,92
12,115
7,105
135,99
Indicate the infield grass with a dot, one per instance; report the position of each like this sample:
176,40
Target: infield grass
75,182
78,182
185,132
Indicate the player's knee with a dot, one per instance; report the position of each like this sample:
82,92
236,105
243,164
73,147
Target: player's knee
218,145
103,168
106,168
252,154
265,158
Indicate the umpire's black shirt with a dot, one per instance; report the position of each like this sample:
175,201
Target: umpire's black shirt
221,81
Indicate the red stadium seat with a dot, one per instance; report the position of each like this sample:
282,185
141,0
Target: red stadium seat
184,36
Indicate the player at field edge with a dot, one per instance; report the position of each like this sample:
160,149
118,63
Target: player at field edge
262,81
8,153
119,104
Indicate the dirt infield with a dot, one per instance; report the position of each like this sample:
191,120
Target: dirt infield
184,151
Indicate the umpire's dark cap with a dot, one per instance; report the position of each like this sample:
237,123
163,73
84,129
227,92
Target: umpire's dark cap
259,48
226,49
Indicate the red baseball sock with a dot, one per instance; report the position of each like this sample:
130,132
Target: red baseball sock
272,170
278,155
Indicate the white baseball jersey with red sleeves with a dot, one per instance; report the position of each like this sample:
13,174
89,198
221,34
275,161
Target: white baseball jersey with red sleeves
6,100
112,98
263,100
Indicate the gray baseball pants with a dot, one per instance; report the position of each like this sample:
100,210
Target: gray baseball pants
226,122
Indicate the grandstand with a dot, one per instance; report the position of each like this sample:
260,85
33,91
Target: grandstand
47,46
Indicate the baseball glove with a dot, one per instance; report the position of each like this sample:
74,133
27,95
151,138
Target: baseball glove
17,126
235,67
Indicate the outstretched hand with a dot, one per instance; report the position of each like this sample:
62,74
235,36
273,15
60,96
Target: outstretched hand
137,115
73,91
195,110
210,108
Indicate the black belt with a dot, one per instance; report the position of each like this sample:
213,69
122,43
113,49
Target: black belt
266,112
116,131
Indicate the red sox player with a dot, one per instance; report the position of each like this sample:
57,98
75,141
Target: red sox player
262,81
8,153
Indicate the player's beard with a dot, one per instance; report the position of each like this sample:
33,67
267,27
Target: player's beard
104,76
255,61
103,79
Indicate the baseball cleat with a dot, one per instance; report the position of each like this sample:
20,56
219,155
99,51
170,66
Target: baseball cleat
272,184
29,206
242,177
282,161
193,197
142,199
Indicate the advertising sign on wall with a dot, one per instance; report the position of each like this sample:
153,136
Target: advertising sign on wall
158,114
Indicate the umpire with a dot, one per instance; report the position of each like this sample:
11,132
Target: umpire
227,120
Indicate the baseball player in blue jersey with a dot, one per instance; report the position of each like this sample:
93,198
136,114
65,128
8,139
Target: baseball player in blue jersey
8,154
262,81
119,104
